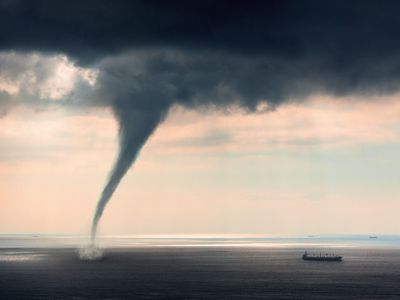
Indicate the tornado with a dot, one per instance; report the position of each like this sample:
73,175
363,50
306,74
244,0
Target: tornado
135,127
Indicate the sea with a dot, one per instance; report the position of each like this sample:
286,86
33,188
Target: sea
199,267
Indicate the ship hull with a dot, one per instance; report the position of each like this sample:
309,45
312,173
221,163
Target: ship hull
316,258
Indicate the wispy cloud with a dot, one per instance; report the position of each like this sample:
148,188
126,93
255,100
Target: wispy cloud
321,122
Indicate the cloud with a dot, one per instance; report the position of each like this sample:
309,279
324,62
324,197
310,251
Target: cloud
152,53
319,123
143,57
38,80
95,28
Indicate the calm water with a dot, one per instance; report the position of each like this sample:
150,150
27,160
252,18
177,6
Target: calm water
323,241
38,267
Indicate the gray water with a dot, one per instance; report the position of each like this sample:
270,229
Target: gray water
200,268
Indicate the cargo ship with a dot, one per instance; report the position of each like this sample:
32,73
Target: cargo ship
322,257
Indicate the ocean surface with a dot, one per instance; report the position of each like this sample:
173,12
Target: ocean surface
199,267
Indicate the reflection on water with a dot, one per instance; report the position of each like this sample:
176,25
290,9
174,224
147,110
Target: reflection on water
72,241
20,256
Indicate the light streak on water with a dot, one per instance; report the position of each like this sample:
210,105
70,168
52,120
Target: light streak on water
140,241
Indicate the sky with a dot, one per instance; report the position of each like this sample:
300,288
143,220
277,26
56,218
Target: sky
176,117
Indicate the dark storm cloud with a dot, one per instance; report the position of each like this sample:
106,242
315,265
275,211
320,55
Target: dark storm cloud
151,55
89,29
338,46
284,28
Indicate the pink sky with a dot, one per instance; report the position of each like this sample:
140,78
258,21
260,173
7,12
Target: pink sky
53,165
203,172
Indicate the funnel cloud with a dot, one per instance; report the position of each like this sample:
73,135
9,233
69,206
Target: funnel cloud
151,55
135,128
